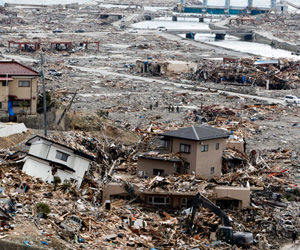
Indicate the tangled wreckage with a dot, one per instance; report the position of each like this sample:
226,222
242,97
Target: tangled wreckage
269,74
115,207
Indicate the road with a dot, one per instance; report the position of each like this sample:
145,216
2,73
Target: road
177,86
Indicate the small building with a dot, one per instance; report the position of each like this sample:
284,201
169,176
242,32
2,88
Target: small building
61,45
47,158
199,149
283,8
18,87
171,199
28,46
111,16
114,190
165,68
231,197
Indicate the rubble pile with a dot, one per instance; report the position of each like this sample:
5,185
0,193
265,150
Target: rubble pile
65,216
76,219
118,98
284,75
107,152
285,27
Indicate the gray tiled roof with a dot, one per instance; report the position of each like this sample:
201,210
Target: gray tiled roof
199,133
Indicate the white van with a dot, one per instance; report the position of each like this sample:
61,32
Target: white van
292,99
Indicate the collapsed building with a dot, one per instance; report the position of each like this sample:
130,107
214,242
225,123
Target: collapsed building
48,159
270,74
133,205
167,68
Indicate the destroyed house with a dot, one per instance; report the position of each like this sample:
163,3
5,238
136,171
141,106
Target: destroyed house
167,68
47,159
175,199
186,151
18,88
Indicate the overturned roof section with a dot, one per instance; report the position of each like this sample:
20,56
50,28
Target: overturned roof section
76,152
199,133
14,68
53,163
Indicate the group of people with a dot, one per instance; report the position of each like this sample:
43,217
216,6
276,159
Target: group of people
172,109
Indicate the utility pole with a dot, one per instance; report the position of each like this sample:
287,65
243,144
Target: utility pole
44,94
67,108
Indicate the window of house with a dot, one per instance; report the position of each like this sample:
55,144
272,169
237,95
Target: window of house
185,148
217,146
24,83
204,148
4,83
165,143
0,105
186,165
61,156
21,103
158,200
183,202
159,172
212,170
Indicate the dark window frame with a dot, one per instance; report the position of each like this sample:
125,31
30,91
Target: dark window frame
217,146
185,148
63,154
159,172
212,170
17,103
20,84
184,201
159,200
186,165
165,144
204,148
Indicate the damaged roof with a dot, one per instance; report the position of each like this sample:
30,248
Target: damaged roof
16,69
155,155
199,133
53,163
75,151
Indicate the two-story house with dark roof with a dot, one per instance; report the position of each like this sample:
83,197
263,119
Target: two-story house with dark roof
185,151
18,87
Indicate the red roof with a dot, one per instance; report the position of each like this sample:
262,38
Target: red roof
6,79
14,68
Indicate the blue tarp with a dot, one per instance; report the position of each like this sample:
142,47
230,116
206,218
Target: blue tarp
10,108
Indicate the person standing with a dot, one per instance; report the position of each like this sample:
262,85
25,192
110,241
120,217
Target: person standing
294,237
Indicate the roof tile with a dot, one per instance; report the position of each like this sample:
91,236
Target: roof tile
14,68
199,133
